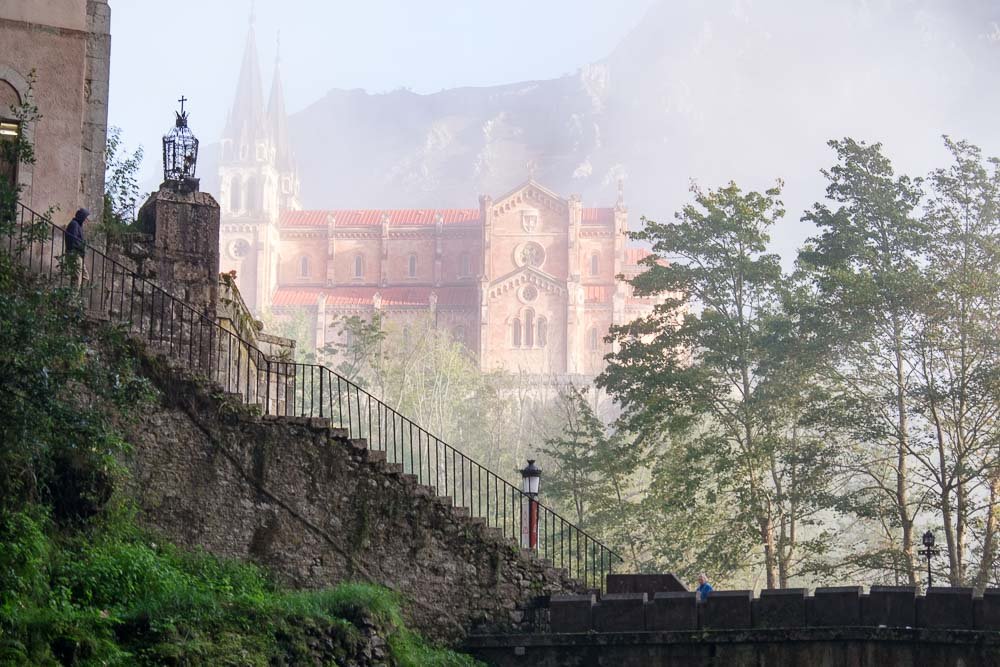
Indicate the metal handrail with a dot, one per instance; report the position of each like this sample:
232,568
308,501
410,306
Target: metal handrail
292,389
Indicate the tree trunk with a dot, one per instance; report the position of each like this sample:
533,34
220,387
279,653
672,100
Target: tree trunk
903,446
989,536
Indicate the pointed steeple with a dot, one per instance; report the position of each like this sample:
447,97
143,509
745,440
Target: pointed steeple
277,118
246,122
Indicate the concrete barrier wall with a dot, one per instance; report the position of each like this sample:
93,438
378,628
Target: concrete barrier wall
844,606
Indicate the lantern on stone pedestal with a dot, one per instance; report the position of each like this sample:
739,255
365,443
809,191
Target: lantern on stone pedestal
180,150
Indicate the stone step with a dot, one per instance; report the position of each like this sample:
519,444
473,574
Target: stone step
375,456
359,443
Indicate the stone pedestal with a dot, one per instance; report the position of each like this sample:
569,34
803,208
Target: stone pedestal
182,256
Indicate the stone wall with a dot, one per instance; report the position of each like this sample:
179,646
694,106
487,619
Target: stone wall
840,606
886,627
814,647
297,497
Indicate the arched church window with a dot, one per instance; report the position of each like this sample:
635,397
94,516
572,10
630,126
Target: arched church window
515,332
235,194
593,339
594,266
252,193
412,266
465,266
543,333
304,266
529,328
359,266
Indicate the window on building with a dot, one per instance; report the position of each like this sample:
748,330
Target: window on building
252,204
359,266
411,268
543,333
529,328
515,332
460,334
9,133
465,265
594,265
593,339
304,266
235,194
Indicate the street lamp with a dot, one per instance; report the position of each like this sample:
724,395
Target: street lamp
929,552
180,149
530,476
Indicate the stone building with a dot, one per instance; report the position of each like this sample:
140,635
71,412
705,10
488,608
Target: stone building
67,45
526,280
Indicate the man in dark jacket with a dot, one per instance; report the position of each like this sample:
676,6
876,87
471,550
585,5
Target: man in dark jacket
74,245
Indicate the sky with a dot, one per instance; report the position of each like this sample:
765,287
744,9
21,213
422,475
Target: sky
161,50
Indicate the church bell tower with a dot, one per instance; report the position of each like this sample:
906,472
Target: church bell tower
257,180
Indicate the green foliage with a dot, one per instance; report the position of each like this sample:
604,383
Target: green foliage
713,376
121,186
595,473
80,583
61,387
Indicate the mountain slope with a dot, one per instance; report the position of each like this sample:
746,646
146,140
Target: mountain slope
736,90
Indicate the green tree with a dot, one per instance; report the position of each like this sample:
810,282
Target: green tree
958,354
704,374
596,473
121,184
865,268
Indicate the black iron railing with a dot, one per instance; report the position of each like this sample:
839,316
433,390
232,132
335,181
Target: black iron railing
284,388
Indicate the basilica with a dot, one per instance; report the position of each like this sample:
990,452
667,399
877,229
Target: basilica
527,279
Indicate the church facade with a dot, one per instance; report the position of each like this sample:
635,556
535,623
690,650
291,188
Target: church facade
527,280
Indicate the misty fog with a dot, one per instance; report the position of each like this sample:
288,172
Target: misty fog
738,90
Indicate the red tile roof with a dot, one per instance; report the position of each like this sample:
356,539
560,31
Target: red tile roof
363,296
598,216
370,217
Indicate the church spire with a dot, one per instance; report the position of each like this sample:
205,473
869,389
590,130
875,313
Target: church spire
246,119
277,117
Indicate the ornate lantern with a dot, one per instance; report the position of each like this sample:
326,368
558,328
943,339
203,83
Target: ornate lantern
530,476
180,149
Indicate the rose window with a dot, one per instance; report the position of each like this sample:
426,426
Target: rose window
239,249
532,254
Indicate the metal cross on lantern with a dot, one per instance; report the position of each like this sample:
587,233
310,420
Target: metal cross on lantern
180,149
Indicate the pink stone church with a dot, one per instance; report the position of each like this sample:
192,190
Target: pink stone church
526,280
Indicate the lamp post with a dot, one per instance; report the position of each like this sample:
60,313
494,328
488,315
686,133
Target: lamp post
929,552
530,476
180,150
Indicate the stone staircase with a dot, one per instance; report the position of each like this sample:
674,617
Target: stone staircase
216,386
317,507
